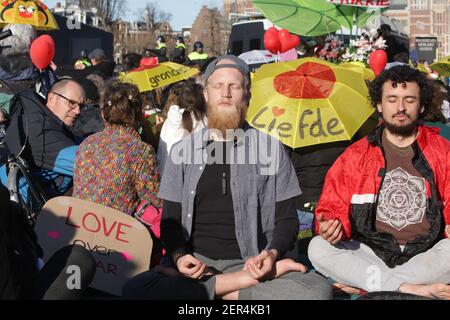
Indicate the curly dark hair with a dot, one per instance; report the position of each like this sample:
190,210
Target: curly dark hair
400,75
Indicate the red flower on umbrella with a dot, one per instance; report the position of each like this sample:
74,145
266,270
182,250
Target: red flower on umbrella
310,81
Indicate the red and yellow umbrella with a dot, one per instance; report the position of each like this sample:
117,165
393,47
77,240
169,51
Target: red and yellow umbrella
308,101
32,12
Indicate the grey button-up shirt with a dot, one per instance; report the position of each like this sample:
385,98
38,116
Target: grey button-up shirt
261,175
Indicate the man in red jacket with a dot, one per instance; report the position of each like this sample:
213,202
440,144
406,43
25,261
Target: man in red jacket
384,213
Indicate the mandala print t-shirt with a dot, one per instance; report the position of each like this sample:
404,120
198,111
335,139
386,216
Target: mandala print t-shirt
402,201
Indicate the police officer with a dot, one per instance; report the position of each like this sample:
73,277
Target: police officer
161,47
198,56
179,53
83,61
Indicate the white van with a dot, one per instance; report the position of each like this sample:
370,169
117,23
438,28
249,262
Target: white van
248,35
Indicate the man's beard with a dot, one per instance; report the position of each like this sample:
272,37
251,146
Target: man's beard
231,118
402,131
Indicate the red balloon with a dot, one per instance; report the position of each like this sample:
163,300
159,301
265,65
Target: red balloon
377,61
51,42
42,52
288,41
272,40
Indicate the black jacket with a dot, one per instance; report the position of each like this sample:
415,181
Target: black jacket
178,54
311,165
50,147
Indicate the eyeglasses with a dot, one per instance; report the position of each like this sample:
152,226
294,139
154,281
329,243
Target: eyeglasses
72,103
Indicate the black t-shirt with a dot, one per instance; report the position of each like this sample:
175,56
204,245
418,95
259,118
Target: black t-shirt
213,233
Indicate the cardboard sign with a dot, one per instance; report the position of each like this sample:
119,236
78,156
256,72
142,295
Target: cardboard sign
362,3
120,244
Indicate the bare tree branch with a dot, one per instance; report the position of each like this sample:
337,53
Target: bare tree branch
152,15
108,10
165,16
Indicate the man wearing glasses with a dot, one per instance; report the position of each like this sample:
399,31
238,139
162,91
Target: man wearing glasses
40,134
56,101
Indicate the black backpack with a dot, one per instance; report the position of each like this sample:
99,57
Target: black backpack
18,168
19,251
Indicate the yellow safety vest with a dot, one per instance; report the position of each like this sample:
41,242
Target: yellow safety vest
160,46
197,56
86,62
181,45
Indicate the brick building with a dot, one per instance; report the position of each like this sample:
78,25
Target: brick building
431,18
397,11
234,9
131,37
424,18
212,29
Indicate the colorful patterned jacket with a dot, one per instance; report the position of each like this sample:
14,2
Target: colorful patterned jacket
117,169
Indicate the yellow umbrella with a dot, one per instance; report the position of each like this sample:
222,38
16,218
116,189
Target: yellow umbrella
359,67
160,75
32,12
421,67
308,101
442,67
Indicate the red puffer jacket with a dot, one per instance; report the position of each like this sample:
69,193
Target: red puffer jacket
352,186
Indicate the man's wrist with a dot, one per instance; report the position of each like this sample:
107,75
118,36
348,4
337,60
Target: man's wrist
177,254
